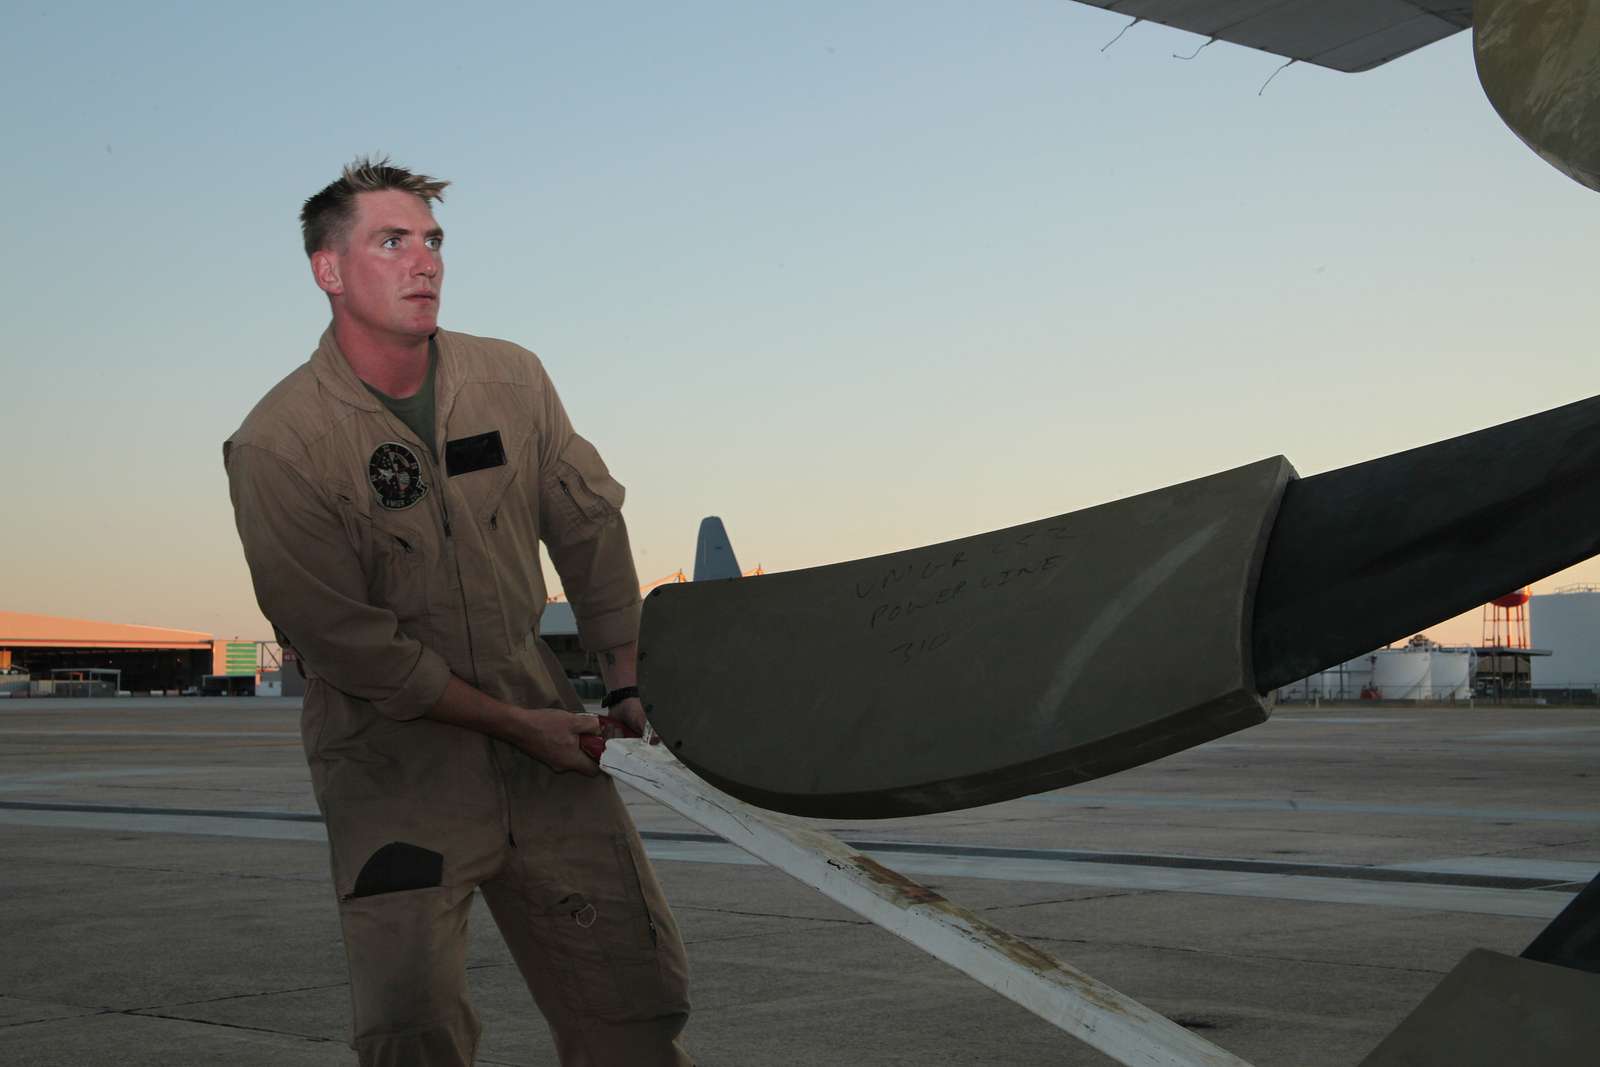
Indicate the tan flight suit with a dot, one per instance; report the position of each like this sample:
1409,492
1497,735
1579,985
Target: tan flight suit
389,570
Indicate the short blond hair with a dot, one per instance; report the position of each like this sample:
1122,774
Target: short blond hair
326,217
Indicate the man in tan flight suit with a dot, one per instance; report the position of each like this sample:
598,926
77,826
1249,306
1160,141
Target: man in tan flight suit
390,496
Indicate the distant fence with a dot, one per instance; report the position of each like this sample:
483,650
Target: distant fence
57,687
1561,696
1374,695
1576,696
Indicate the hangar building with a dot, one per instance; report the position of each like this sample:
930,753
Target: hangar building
147,657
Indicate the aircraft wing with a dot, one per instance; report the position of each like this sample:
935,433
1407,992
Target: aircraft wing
1347,35
1011,662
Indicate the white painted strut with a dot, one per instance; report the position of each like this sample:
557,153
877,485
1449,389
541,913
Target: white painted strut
1089,1010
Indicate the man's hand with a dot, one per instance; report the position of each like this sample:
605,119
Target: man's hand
550,735
631,711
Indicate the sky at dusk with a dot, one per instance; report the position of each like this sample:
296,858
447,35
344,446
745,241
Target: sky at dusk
854,276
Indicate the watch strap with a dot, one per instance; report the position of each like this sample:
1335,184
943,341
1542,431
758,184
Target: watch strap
617,696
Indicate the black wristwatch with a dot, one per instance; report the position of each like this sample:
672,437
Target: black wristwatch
617,696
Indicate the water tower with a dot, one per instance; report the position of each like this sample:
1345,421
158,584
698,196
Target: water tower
1505,621
1505,661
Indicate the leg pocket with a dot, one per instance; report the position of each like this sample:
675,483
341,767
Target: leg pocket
407,952
577,908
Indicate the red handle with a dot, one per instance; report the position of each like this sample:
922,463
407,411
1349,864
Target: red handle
594,744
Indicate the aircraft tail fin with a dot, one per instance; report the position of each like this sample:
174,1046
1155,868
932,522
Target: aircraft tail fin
713,552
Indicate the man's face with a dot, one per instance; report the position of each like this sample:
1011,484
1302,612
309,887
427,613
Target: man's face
385,277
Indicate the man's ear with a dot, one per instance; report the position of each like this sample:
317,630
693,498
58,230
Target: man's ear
325,269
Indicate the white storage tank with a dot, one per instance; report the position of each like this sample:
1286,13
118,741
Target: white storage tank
1402,673
1450,673
1348,680
1567,622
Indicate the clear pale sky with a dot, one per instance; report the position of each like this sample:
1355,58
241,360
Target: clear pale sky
854,276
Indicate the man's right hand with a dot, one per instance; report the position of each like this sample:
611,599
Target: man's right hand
550,735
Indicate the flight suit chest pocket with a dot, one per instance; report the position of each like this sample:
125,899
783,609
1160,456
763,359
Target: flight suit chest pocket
486,474
508,516
580,493
394,558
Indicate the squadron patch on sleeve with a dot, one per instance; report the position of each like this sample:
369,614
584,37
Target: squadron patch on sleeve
396,476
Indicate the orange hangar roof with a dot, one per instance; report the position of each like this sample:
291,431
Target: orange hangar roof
22,630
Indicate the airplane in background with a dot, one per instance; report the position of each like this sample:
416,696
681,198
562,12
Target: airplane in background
713,559
713,552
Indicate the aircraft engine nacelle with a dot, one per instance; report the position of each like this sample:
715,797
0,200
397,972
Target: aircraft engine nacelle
1539,62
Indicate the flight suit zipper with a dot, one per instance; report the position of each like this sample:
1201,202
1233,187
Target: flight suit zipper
472,657
505,793
432,461
455,561
466,611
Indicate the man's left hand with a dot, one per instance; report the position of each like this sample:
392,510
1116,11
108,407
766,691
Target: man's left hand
631,711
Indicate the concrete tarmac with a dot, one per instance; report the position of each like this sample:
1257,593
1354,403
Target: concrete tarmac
1289,892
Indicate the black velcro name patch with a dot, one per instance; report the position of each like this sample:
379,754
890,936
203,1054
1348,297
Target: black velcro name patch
479,452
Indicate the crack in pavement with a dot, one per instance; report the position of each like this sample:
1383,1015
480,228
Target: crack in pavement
40,1000
755,936
237,875
1190,951
231,996
1066,900
87,1013
150,1014
769,915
